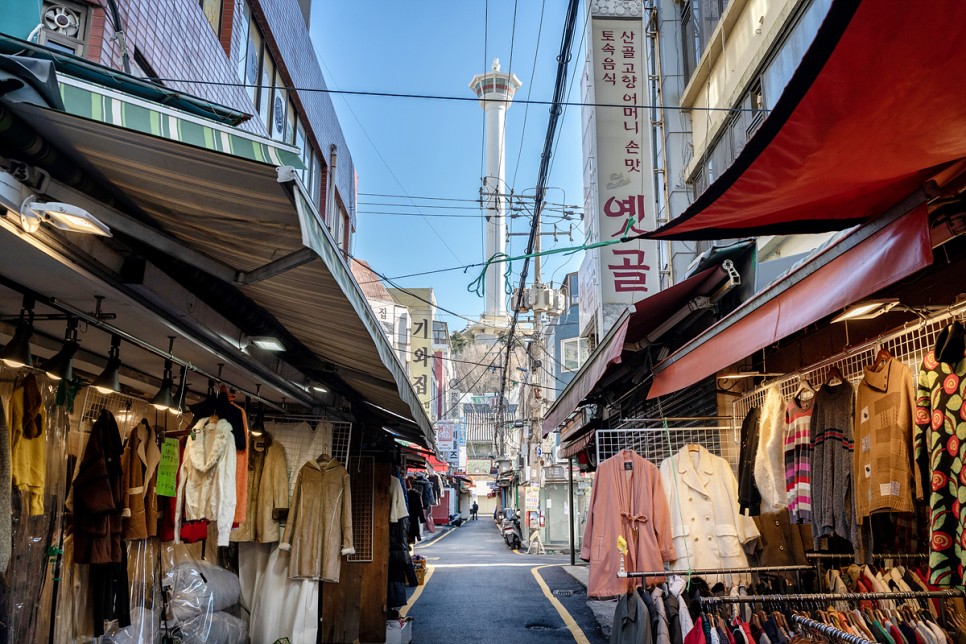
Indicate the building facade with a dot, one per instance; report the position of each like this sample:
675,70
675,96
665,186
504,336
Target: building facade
243,54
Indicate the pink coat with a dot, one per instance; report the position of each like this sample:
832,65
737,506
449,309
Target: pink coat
627,500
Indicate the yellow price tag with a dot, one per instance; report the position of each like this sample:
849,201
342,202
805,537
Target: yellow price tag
622,545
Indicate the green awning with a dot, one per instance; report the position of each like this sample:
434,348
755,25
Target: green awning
83,69
115,108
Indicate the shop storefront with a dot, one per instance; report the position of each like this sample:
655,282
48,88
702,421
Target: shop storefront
189,375
818,423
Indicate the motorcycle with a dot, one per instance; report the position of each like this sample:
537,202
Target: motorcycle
512,533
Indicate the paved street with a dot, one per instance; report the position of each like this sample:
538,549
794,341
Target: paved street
479,591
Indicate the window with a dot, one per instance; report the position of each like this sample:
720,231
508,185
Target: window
265,91
212,9
243,27
574,352
253,59
280,104
290,124
573,292
698,20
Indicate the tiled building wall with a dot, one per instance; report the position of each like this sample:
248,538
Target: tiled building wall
284,19
178,42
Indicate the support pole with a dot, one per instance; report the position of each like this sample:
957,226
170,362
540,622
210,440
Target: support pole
573,511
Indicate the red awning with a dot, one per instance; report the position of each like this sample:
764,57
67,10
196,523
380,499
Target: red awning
874,110
652,311
861,263
647,316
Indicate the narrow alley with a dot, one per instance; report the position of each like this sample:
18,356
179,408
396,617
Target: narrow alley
477,590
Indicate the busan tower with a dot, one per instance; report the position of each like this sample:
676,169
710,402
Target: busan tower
497,88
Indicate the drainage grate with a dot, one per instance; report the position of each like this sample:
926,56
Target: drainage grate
564,593
540,627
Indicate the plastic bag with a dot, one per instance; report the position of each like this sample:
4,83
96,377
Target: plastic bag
199,588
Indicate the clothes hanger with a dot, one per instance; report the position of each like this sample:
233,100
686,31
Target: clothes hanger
834,376
805,391
880,359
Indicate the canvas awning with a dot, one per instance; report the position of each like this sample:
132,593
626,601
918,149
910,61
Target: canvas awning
223,206
870,258
631,332
874,110
608,352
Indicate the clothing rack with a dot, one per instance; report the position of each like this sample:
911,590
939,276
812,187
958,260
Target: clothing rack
851,556
718,571
831,631
833,597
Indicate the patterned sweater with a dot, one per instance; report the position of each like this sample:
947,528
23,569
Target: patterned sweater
798,460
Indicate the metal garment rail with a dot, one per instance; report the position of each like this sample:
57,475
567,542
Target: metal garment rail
851,556
823,597
830,631
717,571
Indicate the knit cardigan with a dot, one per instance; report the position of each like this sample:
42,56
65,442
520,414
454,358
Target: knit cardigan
770,456
884,406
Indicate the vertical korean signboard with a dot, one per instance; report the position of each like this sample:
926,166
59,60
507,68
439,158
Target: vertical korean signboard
624,205
422,365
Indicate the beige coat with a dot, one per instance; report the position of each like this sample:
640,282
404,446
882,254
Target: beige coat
709,530
267,492
627,500
882,473
319,527
140,464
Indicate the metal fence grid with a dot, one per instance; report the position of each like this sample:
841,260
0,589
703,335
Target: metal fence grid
127,410
304,439
656,444
909,344
361,471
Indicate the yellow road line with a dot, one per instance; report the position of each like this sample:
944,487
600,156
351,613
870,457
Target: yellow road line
418,592
570,622
436,540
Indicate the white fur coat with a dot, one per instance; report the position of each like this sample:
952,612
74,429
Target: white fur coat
770,457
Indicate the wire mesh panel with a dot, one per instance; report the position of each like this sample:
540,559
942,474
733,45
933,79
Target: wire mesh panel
909,344
127,410
361,470
306,439
657,443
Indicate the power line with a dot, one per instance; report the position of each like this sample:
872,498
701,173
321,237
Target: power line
382,158
526,105
563,60
458,99
402,205
477,200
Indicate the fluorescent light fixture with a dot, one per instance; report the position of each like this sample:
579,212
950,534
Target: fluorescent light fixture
866,310
268,343
320,389
60,215
741,375
163,399
109,381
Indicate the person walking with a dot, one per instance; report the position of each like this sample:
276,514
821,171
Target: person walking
473,511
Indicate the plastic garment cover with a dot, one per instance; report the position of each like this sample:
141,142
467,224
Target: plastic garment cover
199,588
31,580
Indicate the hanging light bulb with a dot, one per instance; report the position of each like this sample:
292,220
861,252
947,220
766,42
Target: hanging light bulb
61,365
163,399
109,382
17,353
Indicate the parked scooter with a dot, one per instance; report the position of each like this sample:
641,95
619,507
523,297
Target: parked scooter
512,533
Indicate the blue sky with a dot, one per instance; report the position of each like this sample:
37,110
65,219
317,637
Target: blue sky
432,148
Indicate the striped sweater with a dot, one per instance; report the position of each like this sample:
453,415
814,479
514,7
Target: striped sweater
798,460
